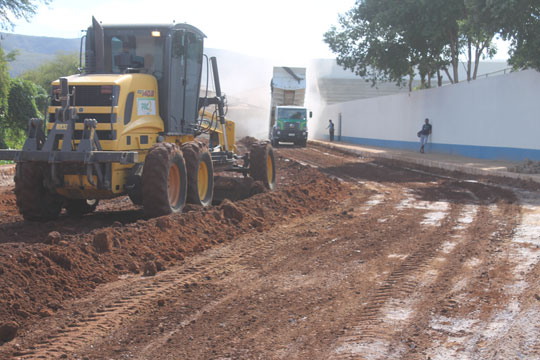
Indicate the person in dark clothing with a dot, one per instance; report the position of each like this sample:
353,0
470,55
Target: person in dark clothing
127,59
330,128
424,134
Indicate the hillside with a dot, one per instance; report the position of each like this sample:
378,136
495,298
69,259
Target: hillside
34,50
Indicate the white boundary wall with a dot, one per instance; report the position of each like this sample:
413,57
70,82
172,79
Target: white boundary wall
497,117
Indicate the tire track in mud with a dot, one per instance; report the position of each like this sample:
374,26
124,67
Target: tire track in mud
251,271
510,330
267,271
233,258
377,336
373,329
274,262
391,308
121,300
396,323
463,261
376,328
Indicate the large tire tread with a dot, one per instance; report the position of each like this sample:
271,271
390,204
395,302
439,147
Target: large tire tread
258,164
155,179
34,201
195,152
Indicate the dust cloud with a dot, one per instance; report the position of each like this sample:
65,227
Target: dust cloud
314,101
246,82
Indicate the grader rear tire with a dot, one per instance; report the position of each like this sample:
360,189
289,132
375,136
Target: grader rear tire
262,164
200,173
34,200
164,180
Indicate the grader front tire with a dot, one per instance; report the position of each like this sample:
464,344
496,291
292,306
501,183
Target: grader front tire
200,173
164,180
34,200
262,164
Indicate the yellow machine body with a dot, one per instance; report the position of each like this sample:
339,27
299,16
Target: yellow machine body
218,131
138,133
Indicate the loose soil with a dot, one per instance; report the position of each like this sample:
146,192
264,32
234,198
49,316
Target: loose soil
349,258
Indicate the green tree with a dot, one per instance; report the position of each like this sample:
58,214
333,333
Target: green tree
5,81
366,44
520,24
478,28
17,9
391,39
22,106
63,64
22,103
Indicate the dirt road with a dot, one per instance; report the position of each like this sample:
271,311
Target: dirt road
350,258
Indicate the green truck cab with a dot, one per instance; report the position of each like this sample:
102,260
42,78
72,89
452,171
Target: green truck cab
290,125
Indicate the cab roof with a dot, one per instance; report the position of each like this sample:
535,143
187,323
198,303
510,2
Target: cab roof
173,26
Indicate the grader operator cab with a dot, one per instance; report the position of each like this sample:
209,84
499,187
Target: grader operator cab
127,125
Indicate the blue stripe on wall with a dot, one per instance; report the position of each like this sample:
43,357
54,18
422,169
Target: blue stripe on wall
479,152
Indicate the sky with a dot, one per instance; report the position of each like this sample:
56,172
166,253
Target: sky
288,30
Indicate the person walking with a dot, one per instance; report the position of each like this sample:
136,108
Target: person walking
330,128
424,134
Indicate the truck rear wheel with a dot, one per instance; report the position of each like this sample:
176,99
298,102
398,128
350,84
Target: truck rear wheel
80,207
164,180
200,173
262,165
34,200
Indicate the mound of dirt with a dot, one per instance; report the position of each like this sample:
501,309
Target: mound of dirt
42,265
248,141
8,206
235,188
244,144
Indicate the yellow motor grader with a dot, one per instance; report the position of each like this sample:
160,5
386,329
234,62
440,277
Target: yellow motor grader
127,124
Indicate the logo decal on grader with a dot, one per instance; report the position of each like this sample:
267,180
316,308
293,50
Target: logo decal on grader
146,93
146,106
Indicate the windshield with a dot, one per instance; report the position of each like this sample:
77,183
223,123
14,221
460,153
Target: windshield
134,49
291,114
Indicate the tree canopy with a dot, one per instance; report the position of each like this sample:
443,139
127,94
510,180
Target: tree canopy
25,97
5,81
392,40
22,104
520,24
17,9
